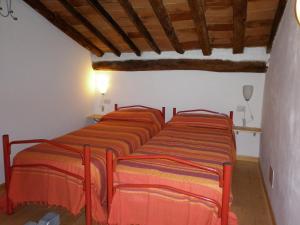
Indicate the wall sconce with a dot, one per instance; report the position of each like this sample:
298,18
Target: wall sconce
101,85
247,93
298,10
7,11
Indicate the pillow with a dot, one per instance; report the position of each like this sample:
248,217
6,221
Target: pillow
137,115
202,120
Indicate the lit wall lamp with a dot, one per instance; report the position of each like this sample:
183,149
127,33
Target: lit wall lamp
298,10
102,84
247,93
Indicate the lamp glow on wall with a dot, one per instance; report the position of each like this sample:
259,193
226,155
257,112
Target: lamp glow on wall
101,85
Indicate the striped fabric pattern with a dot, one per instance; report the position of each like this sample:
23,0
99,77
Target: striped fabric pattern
40,184
207,145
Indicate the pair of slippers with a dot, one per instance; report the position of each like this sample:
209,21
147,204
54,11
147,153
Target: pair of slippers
48,219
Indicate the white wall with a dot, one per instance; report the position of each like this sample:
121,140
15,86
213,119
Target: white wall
281,121
191,89
44,75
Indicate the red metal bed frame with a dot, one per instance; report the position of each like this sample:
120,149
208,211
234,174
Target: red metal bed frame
85,154
163,109
224,176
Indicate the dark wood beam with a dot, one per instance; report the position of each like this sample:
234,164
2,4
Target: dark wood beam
239,25
215,65
276,21
132,15
69,7
166,23
58,22
99,8
198,15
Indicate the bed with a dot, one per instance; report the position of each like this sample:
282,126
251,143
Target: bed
182,176
70,170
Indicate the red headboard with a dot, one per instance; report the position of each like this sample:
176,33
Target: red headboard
202,110
163,109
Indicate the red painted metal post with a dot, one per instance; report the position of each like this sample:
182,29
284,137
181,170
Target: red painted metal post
231,115
116,107
163,110
87,184
7,170
110,182
174,111
227,173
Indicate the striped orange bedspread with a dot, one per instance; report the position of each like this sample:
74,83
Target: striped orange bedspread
122,131
204,139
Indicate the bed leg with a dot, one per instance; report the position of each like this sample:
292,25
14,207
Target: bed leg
174,111
87,184
7,170
227,173
163,110
109,171
116,107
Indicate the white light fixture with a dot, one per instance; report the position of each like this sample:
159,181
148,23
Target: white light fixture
298,10
101,85
247,93
6,10
102,82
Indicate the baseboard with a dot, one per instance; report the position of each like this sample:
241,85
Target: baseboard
247,158
266,194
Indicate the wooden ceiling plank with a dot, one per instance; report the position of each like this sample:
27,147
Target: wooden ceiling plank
215,65
139,24
239,25
276,21
165,21
57,21
69,7
100,9
198,15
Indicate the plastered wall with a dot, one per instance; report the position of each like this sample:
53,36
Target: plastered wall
44,79
280,147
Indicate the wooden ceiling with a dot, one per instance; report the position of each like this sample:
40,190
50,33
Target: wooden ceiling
137,26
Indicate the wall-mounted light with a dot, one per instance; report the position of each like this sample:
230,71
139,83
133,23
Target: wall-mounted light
6,9
247,93
298,10
101,85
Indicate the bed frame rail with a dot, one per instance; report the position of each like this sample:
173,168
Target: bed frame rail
86,162
202,110
224,181
163,109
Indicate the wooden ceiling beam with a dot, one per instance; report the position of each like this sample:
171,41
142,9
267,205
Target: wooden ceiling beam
99,8
199,19
58,22
276,21
239,25
166,23
215,65
69,7
132,15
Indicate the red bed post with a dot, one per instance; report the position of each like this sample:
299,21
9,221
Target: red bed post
116,107
174,111
163,110
227,173
231,115
87,184
7,170
110,182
